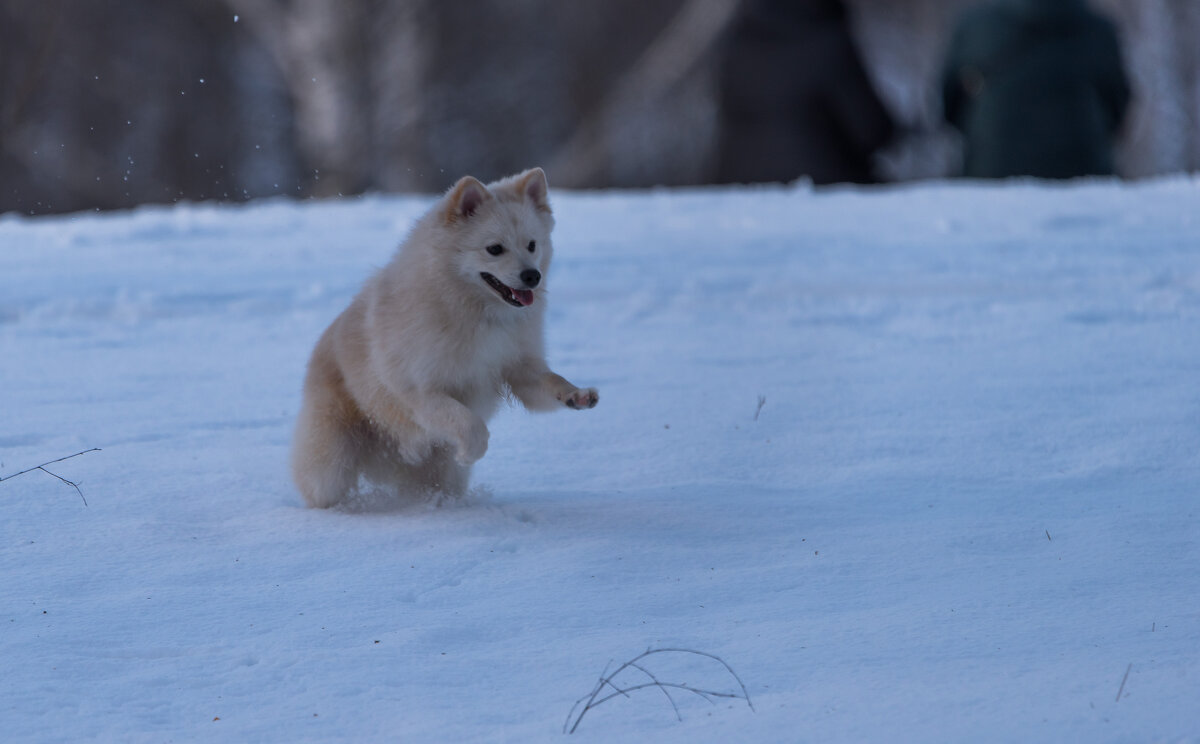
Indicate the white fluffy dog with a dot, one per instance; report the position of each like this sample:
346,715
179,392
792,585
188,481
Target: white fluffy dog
401,385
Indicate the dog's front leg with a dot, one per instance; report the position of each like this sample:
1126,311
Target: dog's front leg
447,419
539,389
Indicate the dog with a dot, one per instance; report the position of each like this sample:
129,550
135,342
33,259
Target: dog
401,385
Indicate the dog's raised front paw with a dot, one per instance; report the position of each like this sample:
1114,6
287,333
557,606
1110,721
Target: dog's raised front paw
472,446
580,399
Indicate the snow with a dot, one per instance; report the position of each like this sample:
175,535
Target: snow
966,510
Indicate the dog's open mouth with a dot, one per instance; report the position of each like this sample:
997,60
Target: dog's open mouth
514,297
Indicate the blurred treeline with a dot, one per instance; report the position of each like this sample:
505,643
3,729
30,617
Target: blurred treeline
112,103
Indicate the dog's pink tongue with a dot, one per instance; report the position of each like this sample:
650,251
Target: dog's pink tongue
524,296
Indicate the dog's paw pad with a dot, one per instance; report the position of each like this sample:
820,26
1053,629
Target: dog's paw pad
581,399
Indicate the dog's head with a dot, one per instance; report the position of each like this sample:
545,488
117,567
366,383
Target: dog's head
502,235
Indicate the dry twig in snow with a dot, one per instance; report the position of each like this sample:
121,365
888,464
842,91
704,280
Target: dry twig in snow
593,698
1123,680
42,468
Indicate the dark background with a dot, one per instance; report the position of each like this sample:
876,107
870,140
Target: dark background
109,104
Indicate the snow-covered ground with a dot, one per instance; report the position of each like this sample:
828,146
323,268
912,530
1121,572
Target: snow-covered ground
966,511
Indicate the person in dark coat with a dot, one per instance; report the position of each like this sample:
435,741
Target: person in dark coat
795,97
1037,87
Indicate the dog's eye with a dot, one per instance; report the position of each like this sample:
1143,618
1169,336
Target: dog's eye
495,249
532,245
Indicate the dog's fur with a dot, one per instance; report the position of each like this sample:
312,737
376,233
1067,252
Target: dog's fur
400,386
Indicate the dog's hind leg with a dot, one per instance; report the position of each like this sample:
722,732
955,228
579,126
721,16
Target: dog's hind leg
325,457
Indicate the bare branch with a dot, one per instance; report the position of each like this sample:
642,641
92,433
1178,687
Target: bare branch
676,685
661,686
714,658
591,696
608,680
42,468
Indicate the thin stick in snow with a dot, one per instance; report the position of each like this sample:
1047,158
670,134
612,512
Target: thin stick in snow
592,699
762,401
654,681
42,468
1122,687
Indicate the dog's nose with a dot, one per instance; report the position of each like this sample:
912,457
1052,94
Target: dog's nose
531,277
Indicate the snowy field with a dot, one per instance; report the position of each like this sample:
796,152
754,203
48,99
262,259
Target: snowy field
920,464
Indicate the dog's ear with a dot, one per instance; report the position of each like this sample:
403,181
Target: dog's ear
532,186
465,198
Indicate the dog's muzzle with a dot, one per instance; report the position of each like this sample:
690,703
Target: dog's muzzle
514,297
